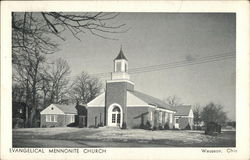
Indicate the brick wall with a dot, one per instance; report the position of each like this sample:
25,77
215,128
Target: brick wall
116,92
137,116
94,117
184,121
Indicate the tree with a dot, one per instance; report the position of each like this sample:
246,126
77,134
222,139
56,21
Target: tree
28,74
38,30
85,88
197,114
213,113
34,35
172,101
59,81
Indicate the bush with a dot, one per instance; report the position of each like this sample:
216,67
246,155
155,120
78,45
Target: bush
188,127
100,124
161,127
17,123
124,125
212,128
142,126
166,126
148,126
93,126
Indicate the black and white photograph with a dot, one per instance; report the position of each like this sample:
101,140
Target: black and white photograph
123,79
95,81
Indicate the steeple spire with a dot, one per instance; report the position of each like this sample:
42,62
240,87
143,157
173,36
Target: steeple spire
120,55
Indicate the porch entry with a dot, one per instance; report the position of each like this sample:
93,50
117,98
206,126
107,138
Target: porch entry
115,115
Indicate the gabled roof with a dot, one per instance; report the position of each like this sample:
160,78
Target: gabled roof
120,55
67,108
99,101
151,100
183,110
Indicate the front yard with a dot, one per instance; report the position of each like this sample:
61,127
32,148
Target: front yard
114,137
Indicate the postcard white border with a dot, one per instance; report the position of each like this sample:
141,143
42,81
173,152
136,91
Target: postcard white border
241,8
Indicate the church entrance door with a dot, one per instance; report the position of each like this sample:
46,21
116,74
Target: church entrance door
115,116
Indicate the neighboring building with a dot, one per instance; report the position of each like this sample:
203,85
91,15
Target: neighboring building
57,115
184,117
120,103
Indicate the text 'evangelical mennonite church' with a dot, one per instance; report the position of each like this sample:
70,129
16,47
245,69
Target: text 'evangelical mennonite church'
121,105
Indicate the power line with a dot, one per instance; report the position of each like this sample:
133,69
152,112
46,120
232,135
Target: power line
193,61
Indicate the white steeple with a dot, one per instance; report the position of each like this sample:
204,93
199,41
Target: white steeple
120,67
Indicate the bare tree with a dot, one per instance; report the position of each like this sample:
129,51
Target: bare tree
172,101
34,35
38,30
197,114
29,75
59,80
85,88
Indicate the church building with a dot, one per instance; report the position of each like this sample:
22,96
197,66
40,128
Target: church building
121,104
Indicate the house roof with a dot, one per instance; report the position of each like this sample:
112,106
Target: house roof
151,100
67,108
183,110
120,55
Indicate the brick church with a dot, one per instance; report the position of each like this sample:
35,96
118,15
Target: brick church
121,104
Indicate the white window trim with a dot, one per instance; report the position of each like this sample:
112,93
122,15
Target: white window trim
151,116
160,117
171,118
166,117
49,118
72,118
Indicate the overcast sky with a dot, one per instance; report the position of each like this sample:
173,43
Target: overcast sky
162,38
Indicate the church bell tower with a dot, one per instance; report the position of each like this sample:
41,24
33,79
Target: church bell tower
120,71
116,92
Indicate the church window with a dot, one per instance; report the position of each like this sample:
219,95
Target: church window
116,109
151,116
118,66
166,117
160,117
126,67
113,118
177,120
118,118
170,118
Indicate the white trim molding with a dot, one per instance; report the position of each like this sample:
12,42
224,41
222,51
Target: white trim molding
119,80
111,107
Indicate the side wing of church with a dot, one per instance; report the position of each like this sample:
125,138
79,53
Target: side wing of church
121,104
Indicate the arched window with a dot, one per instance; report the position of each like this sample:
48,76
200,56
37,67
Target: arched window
116,109
116,116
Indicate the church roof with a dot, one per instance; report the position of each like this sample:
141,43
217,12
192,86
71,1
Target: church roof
120,55
183,110
67,108
151,100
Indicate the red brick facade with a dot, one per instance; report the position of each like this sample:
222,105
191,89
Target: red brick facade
62,121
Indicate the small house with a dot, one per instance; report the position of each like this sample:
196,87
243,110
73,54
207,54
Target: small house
184,117
57,115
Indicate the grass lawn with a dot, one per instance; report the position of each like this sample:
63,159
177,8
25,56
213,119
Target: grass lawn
114,137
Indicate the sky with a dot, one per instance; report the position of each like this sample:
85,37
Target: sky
162,38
